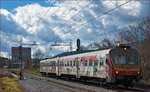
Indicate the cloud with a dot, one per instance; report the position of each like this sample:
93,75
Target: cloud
26,22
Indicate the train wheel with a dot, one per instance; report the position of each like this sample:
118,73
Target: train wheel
101,83
44,74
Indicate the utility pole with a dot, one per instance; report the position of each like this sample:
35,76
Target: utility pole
20,58
71,46
9,64
78,46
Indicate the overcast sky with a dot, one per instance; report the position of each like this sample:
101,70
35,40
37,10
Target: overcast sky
47,22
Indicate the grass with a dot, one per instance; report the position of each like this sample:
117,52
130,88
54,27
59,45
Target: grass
10,84
32,70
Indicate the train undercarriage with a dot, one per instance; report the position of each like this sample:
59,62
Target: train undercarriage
126,81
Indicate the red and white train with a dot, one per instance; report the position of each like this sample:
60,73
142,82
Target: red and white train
118,65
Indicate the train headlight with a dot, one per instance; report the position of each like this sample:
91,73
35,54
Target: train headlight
116,71
125,49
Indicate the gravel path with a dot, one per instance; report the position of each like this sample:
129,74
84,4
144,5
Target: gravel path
31,85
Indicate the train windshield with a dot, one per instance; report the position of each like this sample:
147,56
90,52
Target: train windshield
120,56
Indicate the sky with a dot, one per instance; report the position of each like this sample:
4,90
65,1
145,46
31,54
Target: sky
47,22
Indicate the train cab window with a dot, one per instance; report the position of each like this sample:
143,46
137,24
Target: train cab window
96,61
106,61
85,62
90,62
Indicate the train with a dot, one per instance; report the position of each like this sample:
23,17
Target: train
118,65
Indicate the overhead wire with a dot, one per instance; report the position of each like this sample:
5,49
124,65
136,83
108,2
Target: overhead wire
92,19
63,16
34,25
76,15
119,29
69,19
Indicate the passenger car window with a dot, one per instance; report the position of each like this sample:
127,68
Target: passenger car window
90,62
70,63
85,62
96,61
101,61
67,63
74,64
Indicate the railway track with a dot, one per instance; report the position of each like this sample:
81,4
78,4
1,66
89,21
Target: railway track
81,86
78,86
73,87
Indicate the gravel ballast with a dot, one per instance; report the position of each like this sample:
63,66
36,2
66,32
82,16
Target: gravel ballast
32,85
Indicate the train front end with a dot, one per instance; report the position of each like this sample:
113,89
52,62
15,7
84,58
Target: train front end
126,65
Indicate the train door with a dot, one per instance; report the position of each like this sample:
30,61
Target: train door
41,67
77,60
102,68
109,69
59,67
90,68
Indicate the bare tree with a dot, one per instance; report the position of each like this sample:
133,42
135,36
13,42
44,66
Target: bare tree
106,43
38,55
138,36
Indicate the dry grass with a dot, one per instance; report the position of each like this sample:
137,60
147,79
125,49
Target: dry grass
10,84
32,70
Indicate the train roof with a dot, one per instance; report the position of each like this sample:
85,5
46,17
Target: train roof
73,53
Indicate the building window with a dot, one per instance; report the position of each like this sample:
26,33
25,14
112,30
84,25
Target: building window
27,51
23,51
